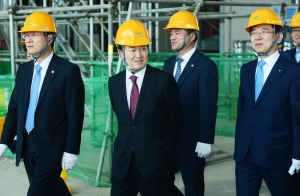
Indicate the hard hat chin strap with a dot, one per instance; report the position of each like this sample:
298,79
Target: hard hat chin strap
46,47
124,61
297,45
185,42
272,45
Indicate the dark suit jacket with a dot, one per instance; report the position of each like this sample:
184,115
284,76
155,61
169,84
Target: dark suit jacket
267,126
153,131
58,115
198,86
290,54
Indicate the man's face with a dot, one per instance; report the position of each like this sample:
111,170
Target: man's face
177,38
261,37
296,35
35,42
135,56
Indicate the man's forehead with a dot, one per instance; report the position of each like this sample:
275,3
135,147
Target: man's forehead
176,30
262,26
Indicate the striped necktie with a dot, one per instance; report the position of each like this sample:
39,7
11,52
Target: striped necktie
178,69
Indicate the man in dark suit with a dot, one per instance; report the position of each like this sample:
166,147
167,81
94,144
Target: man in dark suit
294,54
267,144
147,105
45,111
197,79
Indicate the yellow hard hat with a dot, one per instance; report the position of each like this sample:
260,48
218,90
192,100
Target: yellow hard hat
183,20
132,33
39,22
295,22
263,16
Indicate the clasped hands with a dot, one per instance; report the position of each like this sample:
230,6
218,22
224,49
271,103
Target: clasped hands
203,150
69,161
295,166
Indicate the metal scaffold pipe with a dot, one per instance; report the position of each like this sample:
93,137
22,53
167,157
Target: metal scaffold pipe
209,2
63,9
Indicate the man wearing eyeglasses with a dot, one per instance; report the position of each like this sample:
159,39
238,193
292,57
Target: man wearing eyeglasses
267,144
294,55
45,111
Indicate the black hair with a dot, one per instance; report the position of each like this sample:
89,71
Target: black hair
190,31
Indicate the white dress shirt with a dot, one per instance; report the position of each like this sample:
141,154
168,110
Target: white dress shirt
44,65
140,77
270,62
185,58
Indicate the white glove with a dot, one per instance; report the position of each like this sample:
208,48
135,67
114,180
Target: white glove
295,166
69,161
203,150
3,148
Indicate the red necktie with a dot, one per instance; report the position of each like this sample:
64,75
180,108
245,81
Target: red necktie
134,96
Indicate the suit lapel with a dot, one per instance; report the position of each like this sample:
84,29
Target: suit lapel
171,65
293,55
50,74
148,83
123,95
274,75
190,66
28,74
251,78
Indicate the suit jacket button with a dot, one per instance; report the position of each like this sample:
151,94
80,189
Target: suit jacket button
254,110
133,127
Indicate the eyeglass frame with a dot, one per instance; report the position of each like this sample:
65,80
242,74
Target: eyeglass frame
295,31
32,35
262,32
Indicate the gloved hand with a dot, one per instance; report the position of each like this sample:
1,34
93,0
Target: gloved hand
3,148
69,161
203,150
295,166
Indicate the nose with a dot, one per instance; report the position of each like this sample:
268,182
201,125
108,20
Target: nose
138,53
172,37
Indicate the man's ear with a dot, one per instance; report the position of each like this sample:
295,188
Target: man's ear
121,53
50,36
280,37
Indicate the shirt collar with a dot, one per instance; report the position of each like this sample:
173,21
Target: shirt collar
139,74
188,55
45,62
271,60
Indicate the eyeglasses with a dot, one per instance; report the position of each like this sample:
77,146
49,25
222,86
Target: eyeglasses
32,35
263,32
296,31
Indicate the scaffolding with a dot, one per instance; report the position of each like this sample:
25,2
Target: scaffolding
77,21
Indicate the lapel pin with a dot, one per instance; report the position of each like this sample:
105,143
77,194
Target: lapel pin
192,65
279,69
52,71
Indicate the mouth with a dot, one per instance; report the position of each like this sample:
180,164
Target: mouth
258,44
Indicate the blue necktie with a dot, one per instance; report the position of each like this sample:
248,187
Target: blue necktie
33,99
259,81
178,69
297,56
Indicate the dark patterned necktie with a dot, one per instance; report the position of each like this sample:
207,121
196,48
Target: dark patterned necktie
134,96
178,69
